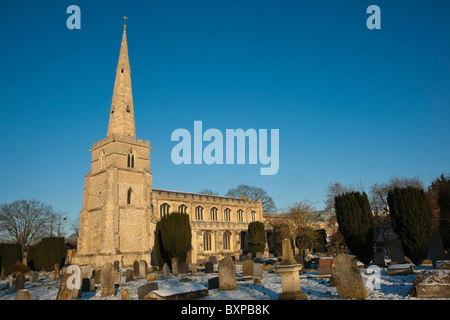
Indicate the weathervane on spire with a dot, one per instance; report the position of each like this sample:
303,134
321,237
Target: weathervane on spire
125,22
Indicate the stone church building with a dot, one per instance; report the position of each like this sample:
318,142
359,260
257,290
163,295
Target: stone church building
121,207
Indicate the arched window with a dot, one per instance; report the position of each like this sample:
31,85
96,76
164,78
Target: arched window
227,240
207,241
130,159
253,213
129,196
243,240
164,210
240,215
227,214
213,213
182,208
102,160
199,213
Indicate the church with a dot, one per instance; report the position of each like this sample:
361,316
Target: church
121,207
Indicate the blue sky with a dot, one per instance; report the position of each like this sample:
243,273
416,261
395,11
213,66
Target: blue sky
351,104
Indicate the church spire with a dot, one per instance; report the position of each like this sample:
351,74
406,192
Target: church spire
121,118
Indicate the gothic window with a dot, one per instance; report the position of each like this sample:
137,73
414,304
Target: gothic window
253,213
227,240
213,214
227,215
164,210
207,243
130,159
121,71
128,109
182,208
240,215
129,196
199,213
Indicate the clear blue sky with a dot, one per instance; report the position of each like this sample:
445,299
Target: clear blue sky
351,104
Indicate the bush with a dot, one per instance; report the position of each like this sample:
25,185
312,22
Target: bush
18,268
173,238
355,222
411,217
256,237
48,252
10,253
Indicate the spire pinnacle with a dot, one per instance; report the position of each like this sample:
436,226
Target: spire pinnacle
121,118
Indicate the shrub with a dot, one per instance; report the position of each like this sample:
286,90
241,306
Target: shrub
48,252
10,253
256,237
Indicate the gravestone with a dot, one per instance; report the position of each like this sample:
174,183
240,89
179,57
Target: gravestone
97,276
209,267
136,268
174,263
9,281
129,275
183,268
182,292
87,285
68,288
35,276
289,271
271,256
259,255
378,257
193,268
396,251
166,272
107,285
19,284
23,295
144,290
227,274
324,266
257,270
213,283
86,270
436,248
247,268
142,268
347,278
213,259
152,277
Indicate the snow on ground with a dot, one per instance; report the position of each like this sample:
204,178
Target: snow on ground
395,287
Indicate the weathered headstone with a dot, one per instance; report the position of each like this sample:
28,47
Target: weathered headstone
97,276
136,268
289,271
166,272
87,285
19,284
9,281
213,283
142,268
209,267
432,284
227,274
87,270
193,268
144,290
174,263
35,276
129,275
437,250
347,278
259,255
23,295
378,257
69,288
183,268
324,266
183,292
107,285
247,268
396,251
152,277
257,270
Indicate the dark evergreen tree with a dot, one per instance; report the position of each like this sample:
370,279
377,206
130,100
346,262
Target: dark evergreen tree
411,218
10,254
356,225
256,237
48,252
173,237
444,212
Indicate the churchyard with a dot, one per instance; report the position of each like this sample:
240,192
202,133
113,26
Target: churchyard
339,277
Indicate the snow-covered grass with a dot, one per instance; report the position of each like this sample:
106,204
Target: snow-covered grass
391,287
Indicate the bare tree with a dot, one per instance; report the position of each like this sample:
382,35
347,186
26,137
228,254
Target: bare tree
24,221
334,190
208,192
253,193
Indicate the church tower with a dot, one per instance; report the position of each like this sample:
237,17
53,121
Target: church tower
116,220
